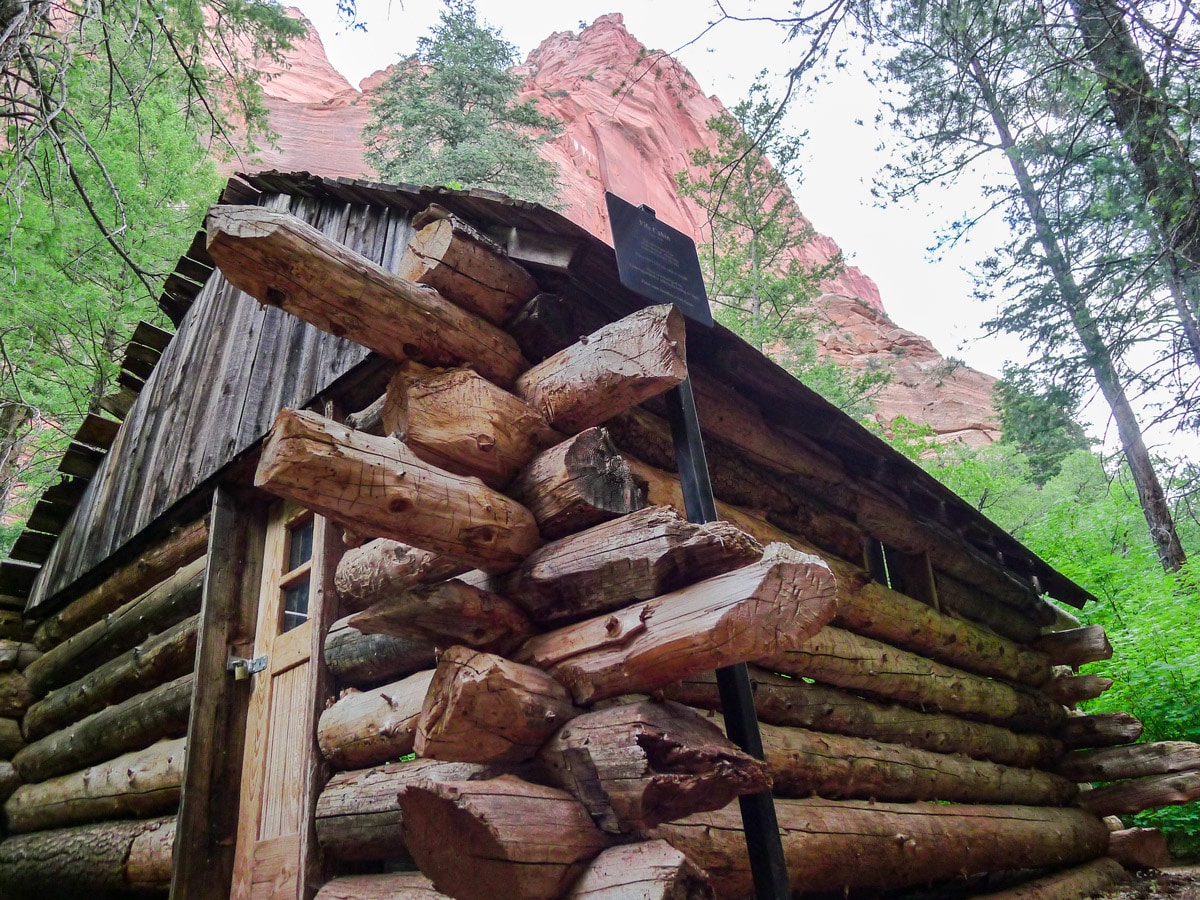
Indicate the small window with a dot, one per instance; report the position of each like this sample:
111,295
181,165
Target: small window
296,578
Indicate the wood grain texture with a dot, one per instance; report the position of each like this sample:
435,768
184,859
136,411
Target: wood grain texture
649,870
1071,884
373,726
1076,646
368,660
393,886
1130,761
1139,848
379,569
1099,730
1137,794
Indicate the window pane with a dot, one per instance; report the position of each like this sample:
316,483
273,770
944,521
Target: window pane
300,544
295,605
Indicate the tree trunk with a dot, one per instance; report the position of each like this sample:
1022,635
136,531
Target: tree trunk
485,709
461,422
765,608
448,613
1073,884
1075,646
164,657
1127,797
367,727
1139,848
838,845
610,371
162,606
449,256
650,870
380,569
1100,730
636,557
378,487
366,660
128,583
580,482
88,861
139,784
393,886
793,701
847,660
636,766
1131,761
479,840
281,261
138,722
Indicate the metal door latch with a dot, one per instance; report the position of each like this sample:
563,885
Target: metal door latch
243,668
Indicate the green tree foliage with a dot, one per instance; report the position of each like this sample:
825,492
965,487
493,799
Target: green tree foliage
762,289
1040,421
450,114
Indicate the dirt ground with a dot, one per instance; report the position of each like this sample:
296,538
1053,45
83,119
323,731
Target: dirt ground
1182,883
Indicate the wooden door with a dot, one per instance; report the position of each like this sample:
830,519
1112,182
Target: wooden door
281,766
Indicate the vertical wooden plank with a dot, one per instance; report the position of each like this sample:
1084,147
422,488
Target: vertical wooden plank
208,819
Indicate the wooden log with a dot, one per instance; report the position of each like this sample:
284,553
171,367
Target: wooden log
581,482
1075,646
380,569
966,601
367,727
775,603
17,655
803,763
127,583
1130,761
358,813
847,660
159,608
12,625
483,708
637,765
366,660
613,369
369,418
467,269
392,886
379,487
88,861
1100,730
1070,690
15,693
1139,848
1075,883
10,779
164,657
839,845
795,702
1127,797
281,261
447,613
138,722
635,557
650,870
461,422
134,785
479,840
11,740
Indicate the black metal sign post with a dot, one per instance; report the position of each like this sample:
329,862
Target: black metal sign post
660,263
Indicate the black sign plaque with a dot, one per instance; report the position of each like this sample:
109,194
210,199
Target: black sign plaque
657,261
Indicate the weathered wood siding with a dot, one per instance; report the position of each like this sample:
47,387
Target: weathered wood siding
230,368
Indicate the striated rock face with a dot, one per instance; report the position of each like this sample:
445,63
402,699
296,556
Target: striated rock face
630,118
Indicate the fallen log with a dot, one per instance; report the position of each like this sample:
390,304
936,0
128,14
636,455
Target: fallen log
366,660
635,557
793,701
126,584
10,780
613,369
1139,848
159,608
1130,761
135,785
11,740
16,655
767,607
479,840
379,487
450,257
838,845
650,870
486,709
637,765
284,262
847,660
138,722
358,813
380,569
1100,730
367,727
15,694
392,886
461,422
1070,690
579,483
1076,883
1127,797
450,612
163,657
1075,646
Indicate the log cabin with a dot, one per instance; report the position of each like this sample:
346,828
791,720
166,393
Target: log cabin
374,580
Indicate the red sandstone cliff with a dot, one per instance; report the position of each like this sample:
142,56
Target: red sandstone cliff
630,118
